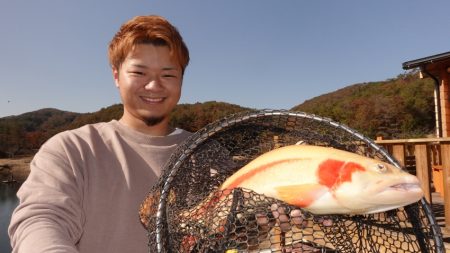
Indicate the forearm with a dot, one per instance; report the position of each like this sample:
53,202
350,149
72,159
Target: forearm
41,235
49,216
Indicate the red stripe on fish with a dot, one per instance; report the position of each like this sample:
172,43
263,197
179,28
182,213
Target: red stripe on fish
332,173
238,181
328,172
347,171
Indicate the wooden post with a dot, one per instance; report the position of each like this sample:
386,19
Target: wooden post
445,104
398,152
423,168
445,154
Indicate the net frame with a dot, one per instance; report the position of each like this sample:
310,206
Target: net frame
189,147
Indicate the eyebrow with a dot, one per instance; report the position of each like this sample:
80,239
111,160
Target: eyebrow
138,66
169,68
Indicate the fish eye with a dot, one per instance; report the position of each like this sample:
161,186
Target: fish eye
381,168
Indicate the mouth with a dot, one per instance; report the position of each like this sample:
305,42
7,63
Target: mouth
399,190
395,195
405,187
152,100
401,193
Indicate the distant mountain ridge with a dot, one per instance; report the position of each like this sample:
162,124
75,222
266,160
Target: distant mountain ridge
400,107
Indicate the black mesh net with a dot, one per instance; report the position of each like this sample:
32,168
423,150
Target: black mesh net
186,211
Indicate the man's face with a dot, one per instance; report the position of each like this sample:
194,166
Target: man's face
149,81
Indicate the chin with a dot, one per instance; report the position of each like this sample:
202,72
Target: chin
152,119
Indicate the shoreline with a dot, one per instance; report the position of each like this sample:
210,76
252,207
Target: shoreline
14,170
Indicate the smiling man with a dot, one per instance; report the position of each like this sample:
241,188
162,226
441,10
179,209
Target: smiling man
149,79
86,185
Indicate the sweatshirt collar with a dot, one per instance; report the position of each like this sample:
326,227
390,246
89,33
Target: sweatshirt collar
129,133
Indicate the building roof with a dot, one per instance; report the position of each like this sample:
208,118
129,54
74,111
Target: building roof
426,60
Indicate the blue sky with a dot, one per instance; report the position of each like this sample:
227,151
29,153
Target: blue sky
254,53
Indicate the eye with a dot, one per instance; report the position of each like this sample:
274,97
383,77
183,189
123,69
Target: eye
136,73
381,168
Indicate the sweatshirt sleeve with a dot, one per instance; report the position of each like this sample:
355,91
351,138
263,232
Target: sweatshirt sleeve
49,216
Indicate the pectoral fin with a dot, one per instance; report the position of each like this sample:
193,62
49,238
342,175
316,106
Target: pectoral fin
301,195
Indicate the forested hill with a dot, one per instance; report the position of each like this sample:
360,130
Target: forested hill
402,107
25,133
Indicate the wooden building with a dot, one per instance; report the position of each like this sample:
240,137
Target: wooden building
437,67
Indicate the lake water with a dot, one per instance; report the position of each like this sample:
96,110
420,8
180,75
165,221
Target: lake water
8,201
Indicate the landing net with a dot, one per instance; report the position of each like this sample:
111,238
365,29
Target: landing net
185,211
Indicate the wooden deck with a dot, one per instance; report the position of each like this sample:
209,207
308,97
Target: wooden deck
429,159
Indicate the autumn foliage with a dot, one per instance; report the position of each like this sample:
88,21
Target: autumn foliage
398,108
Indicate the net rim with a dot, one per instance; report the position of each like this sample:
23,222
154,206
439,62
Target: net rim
209,130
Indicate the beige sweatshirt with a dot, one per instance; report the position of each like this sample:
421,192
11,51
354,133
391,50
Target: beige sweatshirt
85,188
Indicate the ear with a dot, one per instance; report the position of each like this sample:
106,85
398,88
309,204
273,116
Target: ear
116,76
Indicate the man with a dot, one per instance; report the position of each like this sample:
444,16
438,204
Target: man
86,185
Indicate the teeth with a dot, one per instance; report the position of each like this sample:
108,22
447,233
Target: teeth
154,100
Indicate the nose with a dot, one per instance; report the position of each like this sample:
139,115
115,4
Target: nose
154,84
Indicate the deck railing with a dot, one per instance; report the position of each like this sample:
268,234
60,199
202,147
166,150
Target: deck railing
429,160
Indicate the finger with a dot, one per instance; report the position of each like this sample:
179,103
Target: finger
279,213
285,226
275,212
327,222
296,217
262,219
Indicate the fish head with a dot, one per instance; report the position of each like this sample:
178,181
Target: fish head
367,185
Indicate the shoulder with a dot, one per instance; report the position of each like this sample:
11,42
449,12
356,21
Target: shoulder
86,134
182,134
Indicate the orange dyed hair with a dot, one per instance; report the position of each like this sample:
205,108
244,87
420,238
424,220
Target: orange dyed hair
147,29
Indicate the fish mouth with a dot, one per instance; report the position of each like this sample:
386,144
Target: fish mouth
404,187
381,197
400,193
